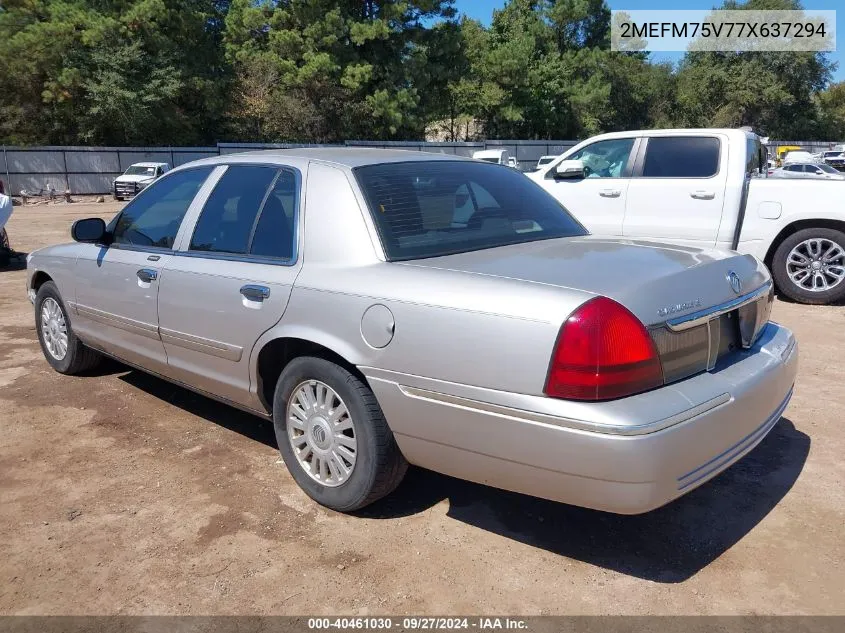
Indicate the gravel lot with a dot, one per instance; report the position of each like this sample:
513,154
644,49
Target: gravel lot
123,494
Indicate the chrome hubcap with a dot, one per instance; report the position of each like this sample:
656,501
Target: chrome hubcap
53,329
817,264
321,433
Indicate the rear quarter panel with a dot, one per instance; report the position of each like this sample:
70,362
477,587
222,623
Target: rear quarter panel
457,327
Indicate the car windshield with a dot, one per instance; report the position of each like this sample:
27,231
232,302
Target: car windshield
490,159
545,160
432,208
139,170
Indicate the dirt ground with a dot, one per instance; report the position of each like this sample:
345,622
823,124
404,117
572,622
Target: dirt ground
123,494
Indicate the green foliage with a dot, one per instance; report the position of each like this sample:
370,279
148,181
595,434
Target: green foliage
173,72
77,71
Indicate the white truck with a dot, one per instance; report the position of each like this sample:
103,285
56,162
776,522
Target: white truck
136,177
498,156
707,188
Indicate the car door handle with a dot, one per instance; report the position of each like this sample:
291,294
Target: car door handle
255,293
703,195
147,275
610,193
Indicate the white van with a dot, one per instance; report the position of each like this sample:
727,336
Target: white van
498,156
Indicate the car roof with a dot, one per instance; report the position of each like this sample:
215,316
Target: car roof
735,132
489,153
146,164
346,156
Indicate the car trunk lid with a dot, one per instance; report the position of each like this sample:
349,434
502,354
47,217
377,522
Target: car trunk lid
656,281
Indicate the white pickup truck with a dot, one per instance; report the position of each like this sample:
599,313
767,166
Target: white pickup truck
136,177
707,188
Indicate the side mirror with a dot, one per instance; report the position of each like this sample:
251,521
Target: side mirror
570,169
89,230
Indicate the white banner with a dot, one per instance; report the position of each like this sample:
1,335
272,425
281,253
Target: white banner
715,30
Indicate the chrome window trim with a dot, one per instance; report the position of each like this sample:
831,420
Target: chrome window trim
700,317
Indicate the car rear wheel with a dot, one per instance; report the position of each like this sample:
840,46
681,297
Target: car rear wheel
333,436
809,266
62,349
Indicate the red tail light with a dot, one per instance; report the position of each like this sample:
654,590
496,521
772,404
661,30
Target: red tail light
603,352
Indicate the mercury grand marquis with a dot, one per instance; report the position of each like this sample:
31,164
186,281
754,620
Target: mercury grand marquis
386,308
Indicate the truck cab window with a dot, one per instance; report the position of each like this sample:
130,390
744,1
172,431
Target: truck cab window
681,157
605,159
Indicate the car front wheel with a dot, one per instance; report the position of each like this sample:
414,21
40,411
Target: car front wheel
62,349
333,436
809,266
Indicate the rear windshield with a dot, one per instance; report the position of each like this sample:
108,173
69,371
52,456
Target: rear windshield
432,208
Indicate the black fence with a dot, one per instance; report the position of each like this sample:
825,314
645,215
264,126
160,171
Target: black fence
91,170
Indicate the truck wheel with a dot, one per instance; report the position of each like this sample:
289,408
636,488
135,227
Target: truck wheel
809,266
333,436
65,353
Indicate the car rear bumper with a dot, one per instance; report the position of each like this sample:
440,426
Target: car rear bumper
627,456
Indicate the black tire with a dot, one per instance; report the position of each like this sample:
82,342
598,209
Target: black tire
379,465
793,290
5,257
78,358
119,198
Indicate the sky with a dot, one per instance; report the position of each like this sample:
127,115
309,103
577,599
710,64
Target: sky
483,10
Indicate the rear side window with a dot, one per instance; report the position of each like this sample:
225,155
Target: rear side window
228,217
251,211
681,157
274,233
429,208
153,218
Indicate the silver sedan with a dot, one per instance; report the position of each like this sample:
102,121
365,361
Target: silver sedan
385,308
816,171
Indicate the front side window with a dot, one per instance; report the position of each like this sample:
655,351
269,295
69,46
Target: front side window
605,159
153,218
432,208
681,157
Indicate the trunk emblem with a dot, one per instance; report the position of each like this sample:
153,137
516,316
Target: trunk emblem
679,307
734,281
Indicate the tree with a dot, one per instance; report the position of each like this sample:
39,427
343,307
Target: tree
345,69
831,103
112,71
772,92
